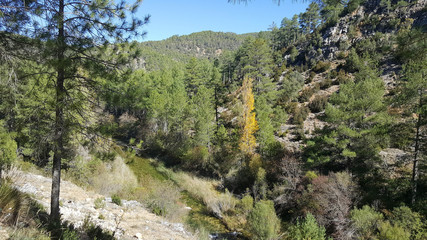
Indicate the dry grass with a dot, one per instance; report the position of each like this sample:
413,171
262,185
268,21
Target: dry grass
164,198
29,233
11,173
113,178
204,190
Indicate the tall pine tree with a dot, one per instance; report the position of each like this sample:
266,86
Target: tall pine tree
73,36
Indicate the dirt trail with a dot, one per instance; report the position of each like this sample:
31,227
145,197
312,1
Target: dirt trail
129,221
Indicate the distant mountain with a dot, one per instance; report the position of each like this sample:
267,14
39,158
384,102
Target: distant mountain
179,49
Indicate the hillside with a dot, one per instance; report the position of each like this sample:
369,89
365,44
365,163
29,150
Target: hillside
128,221
156,55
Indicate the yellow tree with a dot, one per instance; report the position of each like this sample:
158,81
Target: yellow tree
250,126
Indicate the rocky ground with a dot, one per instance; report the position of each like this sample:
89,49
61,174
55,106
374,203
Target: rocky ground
129,221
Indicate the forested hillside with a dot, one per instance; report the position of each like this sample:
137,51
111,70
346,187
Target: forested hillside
157,55
315,130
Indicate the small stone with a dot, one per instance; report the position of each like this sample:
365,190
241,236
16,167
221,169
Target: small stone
138,236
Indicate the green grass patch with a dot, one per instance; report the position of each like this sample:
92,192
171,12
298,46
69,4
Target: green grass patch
142,167
149,172
199,216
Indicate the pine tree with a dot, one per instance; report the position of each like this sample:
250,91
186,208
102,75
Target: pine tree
413,96
203,108
358,126
74,35
255,61
265,135
290,31
310,19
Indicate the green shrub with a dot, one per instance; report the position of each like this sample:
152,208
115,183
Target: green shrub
341,55
307,229
70,235
310,77
410,221
326,83
318,104
11,202
263,222
310,175
401,4
116,199
99,203
392,232
29,234
344,45
247,203
163,200
95,232
300,115
365,221
342,77
7,148
306,94
321,66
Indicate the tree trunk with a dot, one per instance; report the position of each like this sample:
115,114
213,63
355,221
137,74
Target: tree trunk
216,109
59,121
416,150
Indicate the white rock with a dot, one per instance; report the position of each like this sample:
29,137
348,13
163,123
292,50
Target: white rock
138,236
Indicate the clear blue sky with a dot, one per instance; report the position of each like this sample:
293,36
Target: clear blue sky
182,17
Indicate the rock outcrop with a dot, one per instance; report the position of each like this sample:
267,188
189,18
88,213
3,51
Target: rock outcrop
129,221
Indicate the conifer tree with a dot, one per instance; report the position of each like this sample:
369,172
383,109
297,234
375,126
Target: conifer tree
310,19
265,135
413,97
204,117
358,126
74,35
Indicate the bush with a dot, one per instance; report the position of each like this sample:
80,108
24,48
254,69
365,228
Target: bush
307,229
365,221
326,83
321,67
263,222
11,202
116,199
341,55
247,204
411,221
217,203
300,115
306,94
99,203
392,232
318,104
95,232
113,178
29,234
310,77
163,200
70,235
7,148
342,77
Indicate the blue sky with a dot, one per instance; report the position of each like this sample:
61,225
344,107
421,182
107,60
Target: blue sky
182,17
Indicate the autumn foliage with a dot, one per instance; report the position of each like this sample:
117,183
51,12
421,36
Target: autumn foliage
250,126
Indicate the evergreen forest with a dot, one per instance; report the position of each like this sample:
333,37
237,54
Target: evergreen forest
315,129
